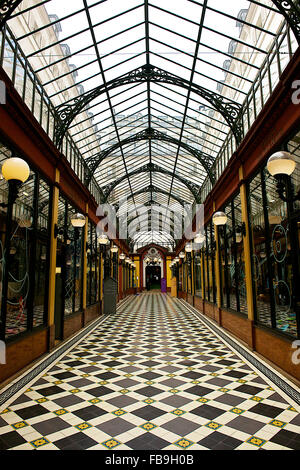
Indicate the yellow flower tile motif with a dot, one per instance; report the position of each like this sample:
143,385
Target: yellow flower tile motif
178,412
174,390
83,426
291,408
7,410
196,382
111,444
214,374
149,382
20,425
171,375
128,375
241,381
148,426
224,390
109,369
85,375
39,442
270,388
203,400
75,390
256,441
119,412
213,425
30,389
190,368
124,391
237,411
103,382
93,363
95,400
70,368
229,368
58,382
184,443
256,398
60,412
277,423
149,401
149,369
42,400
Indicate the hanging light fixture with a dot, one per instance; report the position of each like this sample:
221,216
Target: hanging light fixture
181,255
238,237
189,247
281,163
114,249
15,169
122,256
200,237
103,239
78,220
219,218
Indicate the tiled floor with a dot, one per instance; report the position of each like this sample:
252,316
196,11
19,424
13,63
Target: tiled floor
150,377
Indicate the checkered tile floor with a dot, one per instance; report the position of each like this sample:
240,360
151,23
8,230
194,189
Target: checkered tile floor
150,377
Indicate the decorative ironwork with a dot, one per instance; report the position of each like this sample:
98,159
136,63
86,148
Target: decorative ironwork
155,189
229,109
152,167
281,181
150,134
7,8
291,11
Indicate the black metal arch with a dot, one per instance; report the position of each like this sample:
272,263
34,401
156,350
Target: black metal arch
148,204
66,112
176,217
152,167
148,219
205,159
154,189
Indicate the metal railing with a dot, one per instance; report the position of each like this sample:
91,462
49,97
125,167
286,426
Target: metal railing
280,54
16,65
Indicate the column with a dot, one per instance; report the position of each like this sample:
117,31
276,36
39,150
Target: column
247,248
52,258
84,280
217,263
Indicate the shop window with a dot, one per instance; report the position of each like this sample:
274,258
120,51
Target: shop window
232,259
275,254
24,307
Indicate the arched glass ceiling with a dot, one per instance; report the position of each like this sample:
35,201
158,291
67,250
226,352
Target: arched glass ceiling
213,48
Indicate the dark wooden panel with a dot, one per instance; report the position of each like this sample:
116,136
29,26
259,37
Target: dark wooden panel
240,326
92,312
72,324
23,352
198,304
277,349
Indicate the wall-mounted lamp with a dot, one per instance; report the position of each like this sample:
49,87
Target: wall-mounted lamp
219,218
281,165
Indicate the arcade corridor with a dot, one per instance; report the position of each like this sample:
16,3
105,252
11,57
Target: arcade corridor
153,376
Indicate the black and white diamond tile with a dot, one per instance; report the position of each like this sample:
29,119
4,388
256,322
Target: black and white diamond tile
150,377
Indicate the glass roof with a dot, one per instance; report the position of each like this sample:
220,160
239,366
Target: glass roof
212,47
